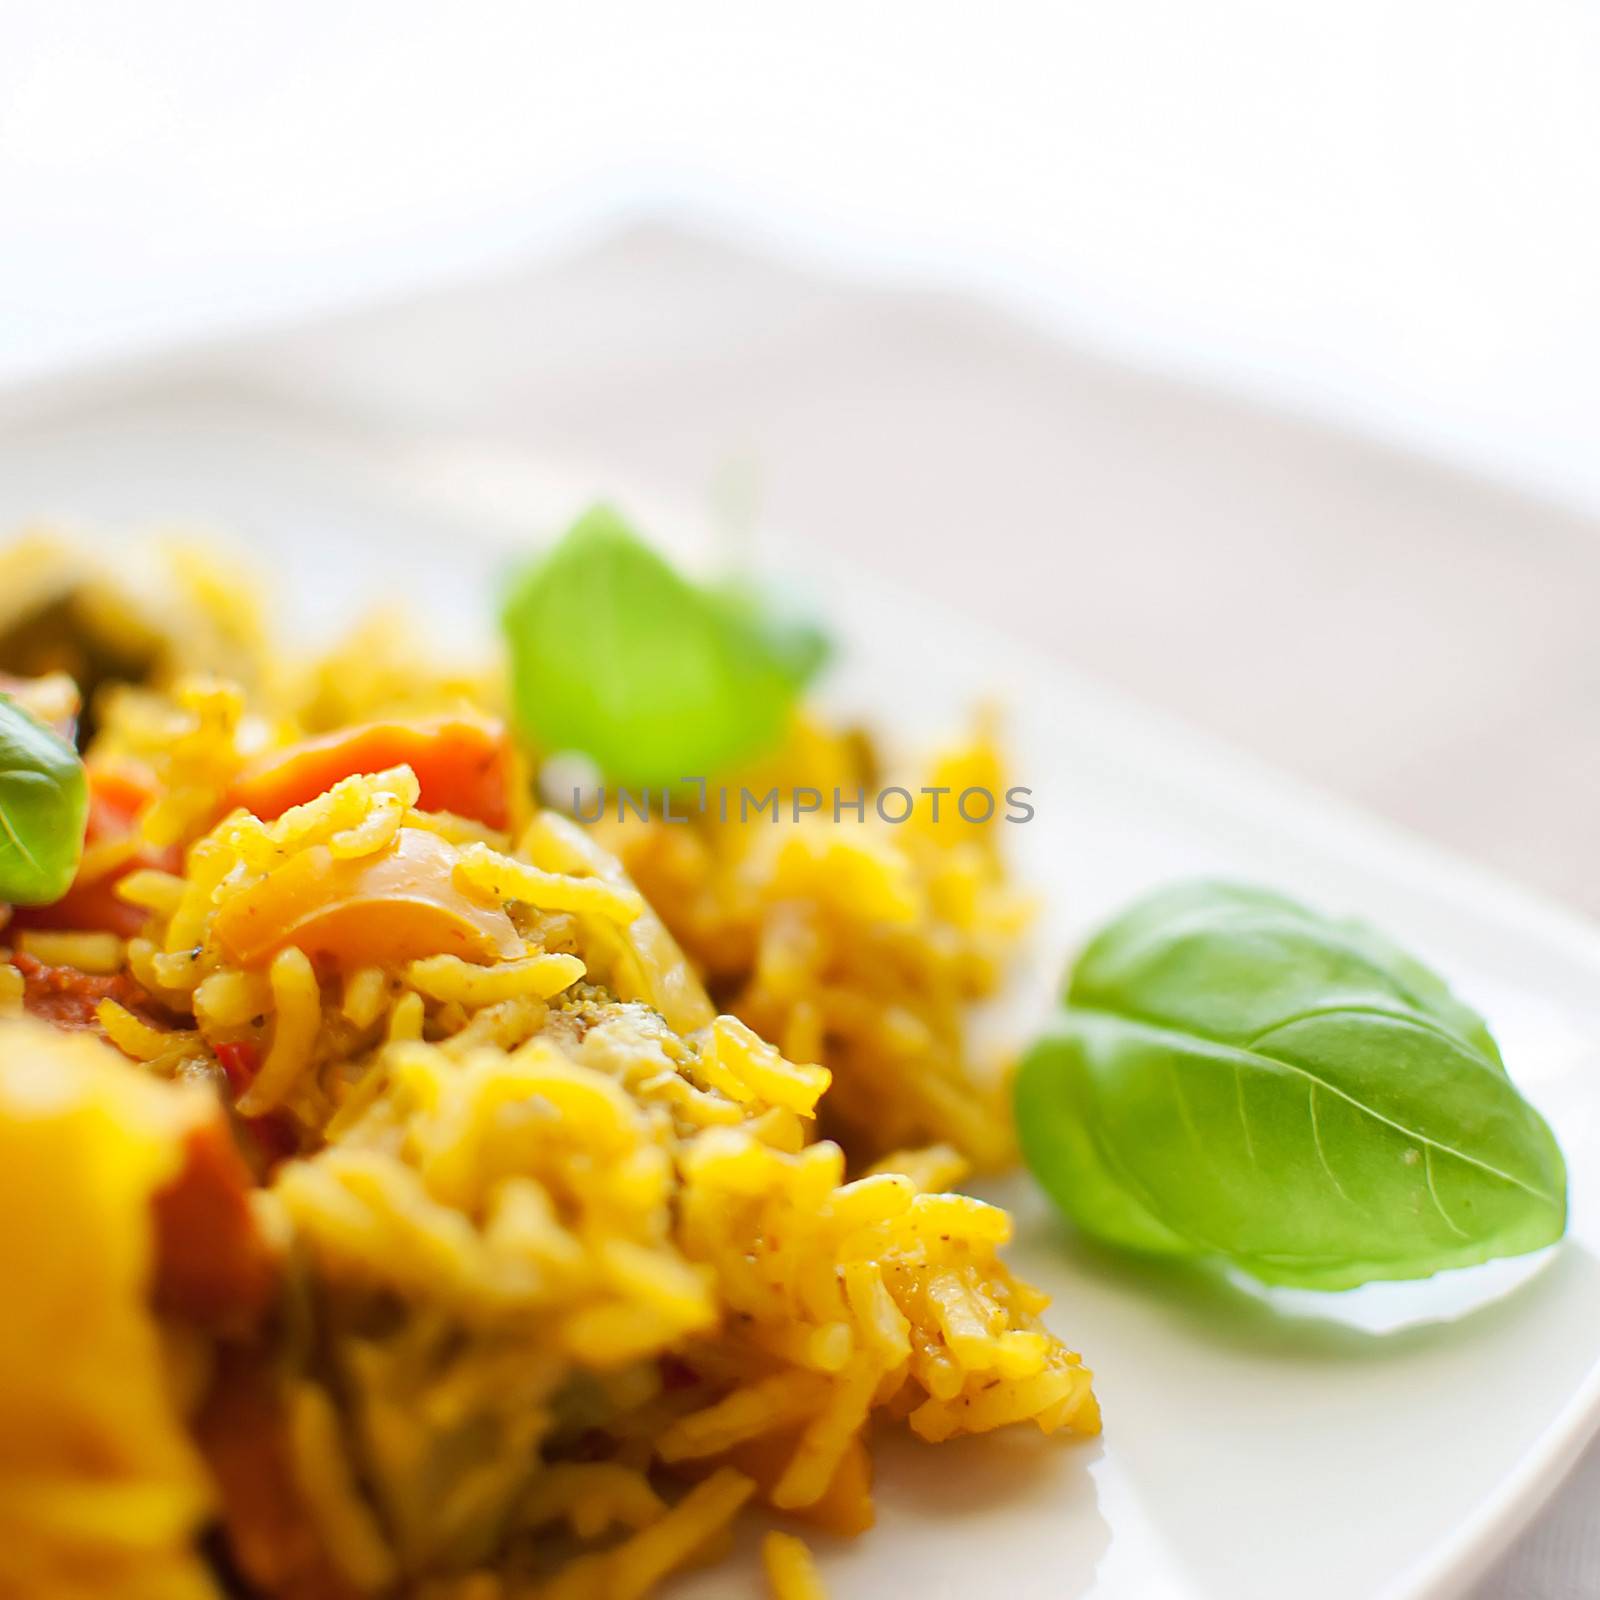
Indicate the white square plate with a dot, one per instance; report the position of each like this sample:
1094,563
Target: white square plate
1379,1443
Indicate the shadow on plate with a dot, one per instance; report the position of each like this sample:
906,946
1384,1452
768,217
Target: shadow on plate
1013,1513
1377,1321
995,1492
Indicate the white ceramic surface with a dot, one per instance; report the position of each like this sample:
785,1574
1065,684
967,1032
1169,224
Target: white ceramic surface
1376,1444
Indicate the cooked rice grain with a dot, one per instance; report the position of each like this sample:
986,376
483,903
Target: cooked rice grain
791,1573
567,1275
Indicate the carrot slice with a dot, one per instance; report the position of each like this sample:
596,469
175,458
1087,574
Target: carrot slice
378,910
462,763
118,792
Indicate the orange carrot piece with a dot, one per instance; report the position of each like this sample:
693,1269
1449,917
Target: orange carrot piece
462,763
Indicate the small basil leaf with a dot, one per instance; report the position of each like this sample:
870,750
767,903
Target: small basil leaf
1235,1076
797,645
613,653
44,805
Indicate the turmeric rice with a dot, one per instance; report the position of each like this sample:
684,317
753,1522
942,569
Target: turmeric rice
420,1193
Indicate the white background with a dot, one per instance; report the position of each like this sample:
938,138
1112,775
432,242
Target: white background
1384,211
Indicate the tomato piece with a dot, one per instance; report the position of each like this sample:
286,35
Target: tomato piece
379,910
239,1060
94,907
69,999
272,1137
243,1433
211,1266
463,764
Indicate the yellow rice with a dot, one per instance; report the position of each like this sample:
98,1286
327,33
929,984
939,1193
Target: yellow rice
571,1270
88,952
791,1573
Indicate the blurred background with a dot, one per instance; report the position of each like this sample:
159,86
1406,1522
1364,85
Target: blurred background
1246,356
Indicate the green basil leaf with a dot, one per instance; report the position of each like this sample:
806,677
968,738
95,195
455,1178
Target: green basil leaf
1236,1076
795,642
654,678
44,805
